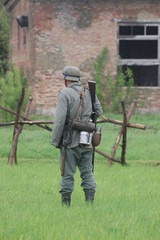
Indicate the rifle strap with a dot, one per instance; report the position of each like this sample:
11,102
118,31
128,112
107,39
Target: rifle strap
81,93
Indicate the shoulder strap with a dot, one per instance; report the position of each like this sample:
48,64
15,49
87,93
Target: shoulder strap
81,93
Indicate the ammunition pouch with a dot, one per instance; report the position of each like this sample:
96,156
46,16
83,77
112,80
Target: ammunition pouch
80,125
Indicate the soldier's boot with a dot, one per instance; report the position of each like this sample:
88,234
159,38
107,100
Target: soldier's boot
89,196
66,199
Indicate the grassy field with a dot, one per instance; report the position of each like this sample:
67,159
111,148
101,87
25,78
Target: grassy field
126,205
34,142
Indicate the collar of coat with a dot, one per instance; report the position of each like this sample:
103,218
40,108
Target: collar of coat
74,84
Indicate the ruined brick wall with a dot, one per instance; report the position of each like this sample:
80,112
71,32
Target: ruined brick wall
70,32
149,100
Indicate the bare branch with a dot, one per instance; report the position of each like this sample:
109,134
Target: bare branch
118,122
106,156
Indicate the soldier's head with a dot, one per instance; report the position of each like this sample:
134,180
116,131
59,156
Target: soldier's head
71,74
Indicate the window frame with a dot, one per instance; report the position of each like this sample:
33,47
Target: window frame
140,62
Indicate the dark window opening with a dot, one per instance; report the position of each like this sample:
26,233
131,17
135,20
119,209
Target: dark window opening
125,30
152,30
131,30
144,75
138,49
138,30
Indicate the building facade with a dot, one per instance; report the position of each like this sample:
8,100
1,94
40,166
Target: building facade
47,35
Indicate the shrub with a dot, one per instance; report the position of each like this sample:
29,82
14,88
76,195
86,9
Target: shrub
10,92
11,80
99,67
122,87
114,89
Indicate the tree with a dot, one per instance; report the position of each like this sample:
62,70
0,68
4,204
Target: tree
10,91
0,9
4,39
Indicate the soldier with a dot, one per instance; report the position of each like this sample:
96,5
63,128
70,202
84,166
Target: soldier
68,106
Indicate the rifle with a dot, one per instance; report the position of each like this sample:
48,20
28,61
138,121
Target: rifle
63,160
67,139
92,89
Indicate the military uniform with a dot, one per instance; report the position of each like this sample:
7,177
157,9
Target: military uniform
68,103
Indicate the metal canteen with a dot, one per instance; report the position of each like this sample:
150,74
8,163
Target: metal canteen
85,138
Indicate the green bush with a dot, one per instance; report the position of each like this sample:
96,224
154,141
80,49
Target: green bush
113,90
11,79
99,66
122,87
10,91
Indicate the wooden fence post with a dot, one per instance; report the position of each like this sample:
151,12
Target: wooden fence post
17,128
21,126
15,132
124,140
120,133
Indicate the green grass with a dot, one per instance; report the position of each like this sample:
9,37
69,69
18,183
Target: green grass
141,144
34,142
127,198
126,203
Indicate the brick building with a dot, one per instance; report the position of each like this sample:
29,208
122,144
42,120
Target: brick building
47,35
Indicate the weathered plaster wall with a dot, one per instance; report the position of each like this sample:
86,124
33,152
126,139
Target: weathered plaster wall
20,38
71,32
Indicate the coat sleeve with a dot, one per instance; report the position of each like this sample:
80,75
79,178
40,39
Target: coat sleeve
59,122
99,110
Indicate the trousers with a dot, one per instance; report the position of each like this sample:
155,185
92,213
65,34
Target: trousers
77,157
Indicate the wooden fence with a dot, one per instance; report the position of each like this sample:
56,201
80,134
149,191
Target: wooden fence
21,120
